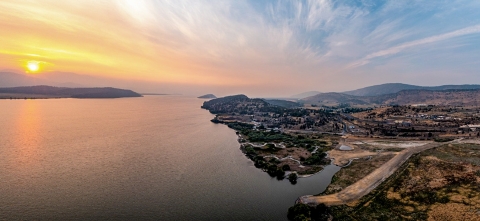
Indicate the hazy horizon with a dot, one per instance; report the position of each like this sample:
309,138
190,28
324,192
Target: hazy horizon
257,48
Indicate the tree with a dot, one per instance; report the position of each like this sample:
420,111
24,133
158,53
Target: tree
320,212
292,177
280,173
301,217
272,170
299,212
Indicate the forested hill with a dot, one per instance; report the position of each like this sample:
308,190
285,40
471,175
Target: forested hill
237,104
63,92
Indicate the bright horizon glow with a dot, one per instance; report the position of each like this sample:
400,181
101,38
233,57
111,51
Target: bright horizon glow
260,48
33,66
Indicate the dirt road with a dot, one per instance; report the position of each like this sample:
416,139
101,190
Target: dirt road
368,183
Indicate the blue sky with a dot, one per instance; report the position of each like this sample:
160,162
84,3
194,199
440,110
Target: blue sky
359,43
255,47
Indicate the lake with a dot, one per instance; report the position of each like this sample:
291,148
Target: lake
150,158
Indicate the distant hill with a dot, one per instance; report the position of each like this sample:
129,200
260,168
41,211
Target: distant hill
74,80
207,96
405,97
463,97
283,103
305,94
334,99
63,92
391,88
10,79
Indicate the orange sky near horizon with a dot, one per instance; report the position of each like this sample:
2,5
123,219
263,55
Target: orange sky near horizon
98,39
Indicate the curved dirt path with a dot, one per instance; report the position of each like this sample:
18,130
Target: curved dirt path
369,182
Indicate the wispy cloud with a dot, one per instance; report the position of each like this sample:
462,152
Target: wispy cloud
420,42
284,46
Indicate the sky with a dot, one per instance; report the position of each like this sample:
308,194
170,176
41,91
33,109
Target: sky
259,48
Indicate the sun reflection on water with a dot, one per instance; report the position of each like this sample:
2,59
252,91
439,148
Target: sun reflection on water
27,134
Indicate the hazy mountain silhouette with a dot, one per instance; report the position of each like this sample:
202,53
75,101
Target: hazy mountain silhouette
305,94
61,92
391,88
404,97
73,80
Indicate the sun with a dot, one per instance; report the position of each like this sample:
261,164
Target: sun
33,66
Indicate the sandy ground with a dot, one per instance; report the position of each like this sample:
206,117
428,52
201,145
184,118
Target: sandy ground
368,183
343,157
473,141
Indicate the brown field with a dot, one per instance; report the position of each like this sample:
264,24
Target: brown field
442,183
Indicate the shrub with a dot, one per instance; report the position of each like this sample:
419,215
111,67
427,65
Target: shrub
280,173
443,139
274,161
292,177
272,170
298,212
316,159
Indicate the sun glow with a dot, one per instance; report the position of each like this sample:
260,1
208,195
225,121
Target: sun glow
33,66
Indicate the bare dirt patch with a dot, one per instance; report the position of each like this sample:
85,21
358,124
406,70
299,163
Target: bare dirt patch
294,152
453,211
439,184
356,171
343,157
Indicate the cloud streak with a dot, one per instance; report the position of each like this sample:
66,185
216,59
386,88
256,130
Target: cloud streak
262,47
420,42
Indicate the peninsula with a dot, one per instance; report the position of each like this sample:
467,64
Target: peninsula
277,139
43,92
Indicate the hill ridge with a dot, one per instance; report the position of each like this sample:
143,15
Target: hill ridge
404,97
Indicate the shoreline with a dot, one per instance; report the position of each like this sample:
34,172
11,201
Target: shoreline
242,148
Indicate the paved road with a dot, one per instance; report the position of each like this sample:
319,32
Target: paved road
369,182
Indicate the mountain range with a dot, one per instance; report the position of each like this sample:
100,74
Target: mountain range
305,94
392,88
389,88
74,80
463,97
58,79
377,94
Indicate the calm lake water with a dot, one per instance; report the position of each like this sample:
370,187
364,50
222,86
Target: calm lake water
150,158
